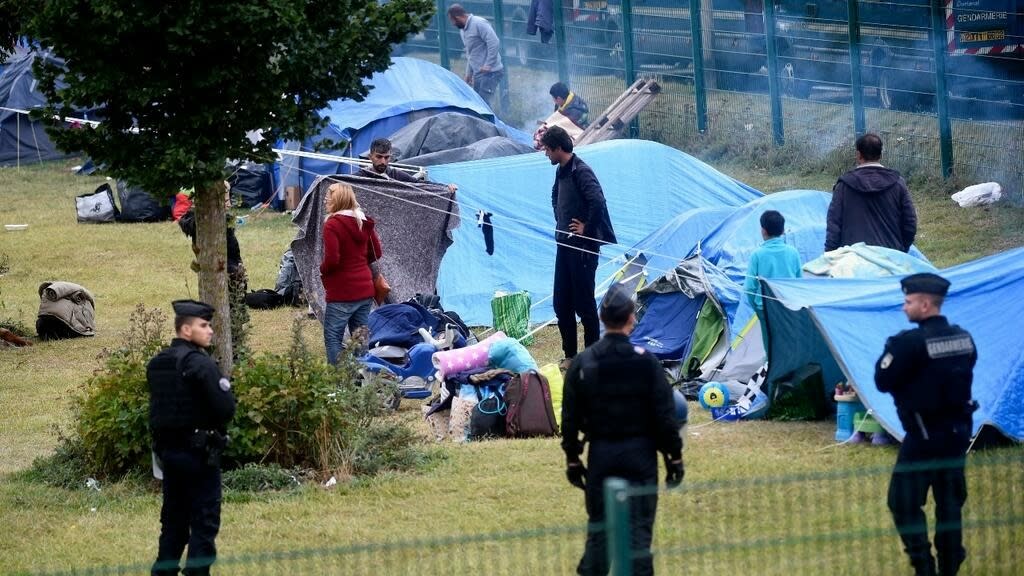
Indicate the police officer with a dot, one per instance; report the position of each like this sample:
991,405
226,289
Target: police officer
190,405
928,371
618,397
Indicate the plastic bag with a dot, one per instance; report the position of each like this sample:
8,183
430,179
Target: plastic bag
511,314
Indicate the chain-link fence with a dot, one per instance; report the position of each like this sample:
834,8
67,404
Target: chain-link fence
941,80
826,522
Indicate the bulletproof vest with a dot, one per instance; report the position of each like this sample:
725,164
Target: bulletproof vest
941,387
171,399
618,400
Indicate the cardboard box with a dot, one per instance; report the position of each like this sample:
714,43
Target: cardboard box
292,195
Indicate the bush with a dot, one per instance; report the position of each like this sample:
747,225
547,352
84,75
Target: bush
112,412
261,478
294,411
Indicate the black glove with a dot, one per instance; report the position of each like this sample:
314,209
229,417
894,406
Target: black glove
674,471
577,475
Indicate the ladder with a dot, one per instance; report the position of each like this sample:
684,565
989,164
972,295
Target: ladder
621,112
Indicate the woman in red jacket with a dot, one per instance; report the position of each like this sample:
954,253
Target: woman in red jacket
350,245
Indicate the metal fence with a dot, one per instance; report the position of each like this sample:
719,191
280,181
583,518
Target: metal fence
829,522
805,75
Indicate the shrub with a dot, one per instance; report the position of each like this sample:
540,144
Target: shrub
112,411
261,478
294,411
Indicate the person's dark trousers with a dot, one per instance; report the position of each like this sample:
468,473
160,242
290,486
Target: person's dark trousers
190,514
634,460
574,296
937,464
488,86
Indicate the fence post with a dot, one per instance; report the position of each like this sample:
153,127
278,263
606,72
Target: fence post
700,99
616,526
442,34
941,96
499,29
773,71
560,57
856,82
627,56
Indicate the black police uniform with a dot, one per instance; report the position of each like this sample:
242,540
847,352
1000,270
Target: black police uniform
618,397
929,371
190,406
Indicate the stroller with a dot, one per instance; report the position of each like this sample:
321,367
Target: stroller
403,339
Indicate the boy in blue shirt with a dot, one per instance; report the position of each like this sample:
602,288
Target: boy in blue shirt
773,259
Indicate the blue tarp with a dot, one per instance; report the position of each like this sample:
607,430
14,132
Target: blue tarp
855,317
645,184
408,90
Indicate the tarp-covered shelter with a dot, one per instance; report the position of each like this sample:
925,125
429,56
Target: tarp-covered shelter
410,89
22,139
414,223
644,183
842,325
700,305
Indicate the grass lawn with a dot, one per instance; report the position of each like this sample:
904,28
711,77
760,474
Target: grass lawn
497,486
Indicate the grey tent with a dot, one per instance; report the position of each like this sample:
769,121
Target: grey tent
493,147
22,139
414,222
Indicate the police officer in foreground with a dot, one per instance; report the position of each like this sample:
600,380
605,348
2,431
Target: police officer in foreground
928,371
617,396
190,405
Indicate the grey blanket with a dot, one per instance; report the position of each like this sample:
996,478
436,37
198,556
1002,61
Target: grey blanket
414,222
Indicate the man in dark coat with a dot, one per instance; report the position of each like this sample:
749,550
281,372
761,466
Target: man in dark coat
871,204
582,226
190,405
617,396
929,371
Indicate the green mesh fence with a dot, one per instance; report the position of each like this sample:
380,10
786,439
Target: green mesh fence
821,522
833,522
799,75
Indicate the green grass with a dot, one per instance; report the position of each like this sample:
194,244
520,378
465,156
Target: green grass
473,489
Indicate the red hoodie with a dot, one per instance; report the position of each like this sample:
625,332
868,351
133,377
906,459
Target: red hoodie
348,251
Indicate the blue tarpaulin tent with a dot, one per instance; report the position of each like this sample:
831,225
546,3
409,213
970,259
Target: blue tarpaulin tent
408,90
644,183
851,318
717,267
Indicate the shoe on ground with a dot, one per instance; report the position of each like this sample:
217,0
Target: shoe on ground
857,438
564,364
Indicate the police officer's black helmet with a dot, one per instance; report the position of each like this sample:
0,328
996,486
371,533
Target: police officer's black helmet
192,309
617,304
925,283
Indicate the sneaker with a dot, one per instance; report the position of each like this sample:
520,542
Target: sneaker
857,438
880,439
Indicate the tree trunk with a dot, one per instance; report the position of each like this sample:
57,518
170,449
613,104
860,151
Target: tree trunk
211,240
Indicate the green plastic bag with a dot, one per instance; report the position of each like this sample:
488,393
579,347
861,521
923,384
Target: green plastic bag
511,313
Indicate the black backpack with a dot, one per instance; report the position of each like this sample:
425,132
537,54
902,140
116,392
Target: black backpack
264,299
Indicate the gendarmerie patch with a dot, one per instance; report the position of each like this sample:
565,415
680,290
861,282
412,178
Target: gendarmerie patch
225,384
945,346
886,361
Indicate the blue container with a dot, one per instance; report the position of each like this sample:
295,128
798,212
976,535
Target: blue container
844,419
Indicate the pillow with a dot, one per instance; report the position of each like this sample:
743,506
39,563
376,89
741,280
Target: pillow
462,359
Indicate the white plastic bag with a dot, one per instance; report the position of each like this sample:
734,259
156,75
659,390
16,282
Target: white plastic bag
978,194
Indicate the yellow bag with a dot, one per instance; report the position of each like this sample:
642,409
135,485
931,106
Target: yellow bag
554,376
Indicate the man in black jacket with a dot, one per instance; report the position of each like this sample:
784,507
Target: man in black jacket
190,405
617,396
929,371
871,204
582,225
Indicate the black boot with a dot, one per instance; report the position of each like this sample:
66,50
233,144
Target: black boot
924,566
